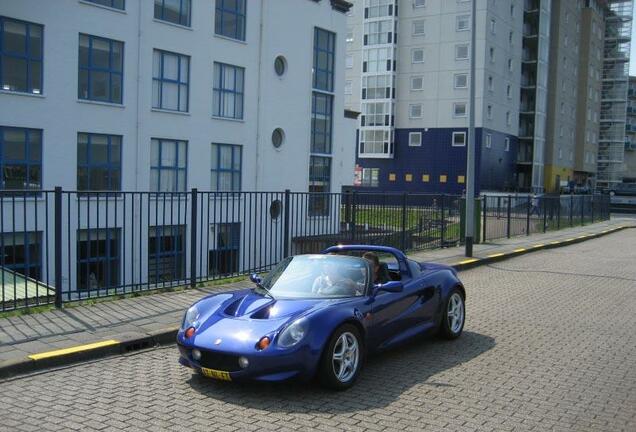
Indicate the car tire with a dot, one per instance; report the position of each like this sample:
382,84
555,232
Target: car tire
339,354
453,315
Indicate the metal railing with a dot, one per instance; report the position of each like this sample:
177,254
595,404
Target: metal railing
505,216
64,246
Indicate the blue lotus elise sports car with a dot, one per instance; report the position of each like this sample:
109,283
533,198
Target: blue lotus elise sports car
320,315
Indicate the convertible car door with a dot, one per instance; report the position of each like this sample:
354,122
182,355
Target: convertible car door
397,316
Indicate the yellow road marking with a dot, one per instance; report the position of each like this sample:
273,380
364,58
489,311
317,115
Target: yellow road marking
72,350
520,250
496,255
555,242
468,261
570,239
538,245
581,236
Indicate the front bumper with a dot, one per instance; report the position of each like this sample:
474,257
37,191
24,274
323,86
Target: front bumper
271,364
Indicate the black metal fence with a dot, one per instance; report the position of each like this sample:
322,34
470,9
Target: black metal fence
512,215
62,246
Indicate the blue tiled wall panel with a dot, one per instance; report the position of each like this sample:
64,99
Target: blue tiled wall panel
436,157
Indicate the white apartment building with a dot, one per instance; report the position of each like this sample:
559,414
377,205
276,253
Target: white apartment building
166,96
408,66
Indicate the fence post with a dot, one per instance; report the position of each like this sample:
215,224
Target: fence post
485,211
353,216
193,238
58,245
442,224
528,216
582,210
592,206
403,240
571,210
559,214
509,214
545,213
286,224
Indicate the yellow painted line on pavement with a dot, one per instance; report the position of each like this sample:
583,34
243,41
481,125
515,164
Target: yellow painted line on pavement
569,240
468,261
581,236
73,350
496,255
555,242
519,250
538,245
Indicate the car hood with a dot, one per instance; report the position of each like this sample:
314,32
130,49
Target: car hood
241,318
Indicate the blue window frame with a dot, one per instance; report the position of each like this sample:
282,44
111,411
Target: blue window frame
321,122
324,58
21,51
97,259
319,185
224,259
101,69
226,167
115,4
168,165
174,11
227,100
22,253
170,81
98,162
229,18
21,158
166,253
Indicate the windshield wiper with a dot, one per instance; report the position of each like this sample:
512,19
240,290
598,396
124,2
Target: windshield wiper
267,291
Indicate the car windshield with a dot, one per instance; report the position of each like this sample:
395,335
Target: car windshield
318,276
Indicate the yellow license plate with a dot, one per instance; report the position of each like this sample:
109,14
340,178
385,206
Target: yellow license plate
216,374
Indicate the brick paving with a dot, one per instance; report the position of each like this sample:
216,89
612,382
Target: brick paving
549,344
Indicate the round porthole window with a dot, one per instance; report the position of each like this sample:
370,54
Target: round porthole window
280,65
275,208
278,136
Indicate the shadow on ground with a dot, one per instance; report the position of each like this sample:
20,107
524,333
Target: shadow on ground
382,381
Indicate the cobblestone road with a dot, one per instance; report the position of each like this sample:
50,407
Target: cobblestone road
549,344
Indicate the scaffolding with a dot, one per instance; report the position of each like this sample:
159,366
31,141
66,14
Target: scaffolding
611,150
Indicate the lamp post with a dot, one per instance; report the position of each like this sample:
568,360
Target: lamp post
470,154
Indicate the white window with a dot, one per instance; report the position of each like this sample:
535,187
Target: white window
493,26
415,111
561,131
459,109
376,86
490,84
417,55
508,118
489,111
419,3
510,65
348,87
415,139
349,61
370,177
459,139
511,36
349,34
560,153
462,23
488,141
378,32
509,91
507,144
461,52
461,80
375,113
377,60
418,28
566,40
374,142
417,83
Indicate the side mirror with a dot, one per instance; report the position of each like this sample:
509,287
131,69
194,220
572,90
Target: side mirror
256,278
391,286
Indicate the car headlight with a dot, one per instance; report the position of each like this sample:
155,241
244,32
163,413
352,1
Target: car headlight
293,333
191,317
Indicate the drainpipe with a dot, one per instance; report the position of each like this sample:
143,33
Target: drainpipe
258,93
139,11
